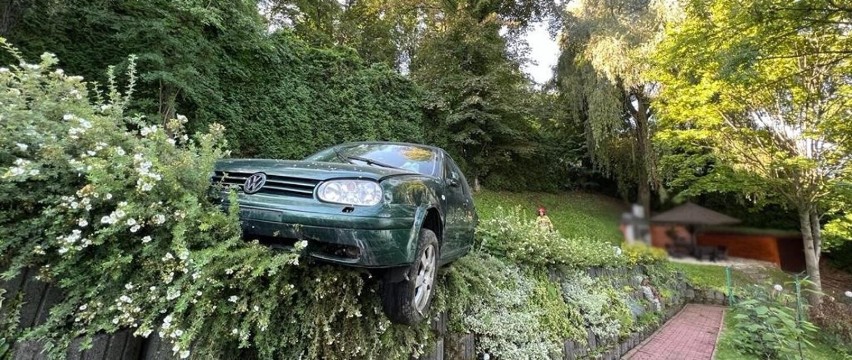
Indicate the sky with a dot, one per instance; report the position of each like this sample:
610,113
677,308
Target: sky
544,52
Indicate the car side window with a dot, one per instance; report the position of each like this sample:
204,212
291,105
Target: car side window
451,171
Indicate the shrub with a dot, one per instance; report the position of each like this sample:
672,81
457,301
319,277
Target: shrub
639,253
604,311
512,235
496,301
116,212
767,325
832,318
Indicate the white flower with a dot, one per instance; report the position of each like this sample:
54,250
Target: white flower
91,153
146,187
108,196
299,245
85,124
170,141
22,147
4,69
848,294
182,118
62,250
778,287
158,219
233,298
125,298
229,271
172,294
67,117
83,307
146,239
119,151
106,220
234,331
167,320
135,228
178,332
184,354
131,222
34,172
148,130
82,223
16,171
120,213
128,286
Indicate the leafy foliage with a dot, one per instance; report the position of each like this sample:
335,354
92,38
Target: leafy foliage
495,300
281,96
511,235
767,325
768,95
640,253
580,214
117,213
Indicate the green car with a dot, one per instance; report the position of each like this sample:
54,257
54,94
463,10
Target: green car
401,209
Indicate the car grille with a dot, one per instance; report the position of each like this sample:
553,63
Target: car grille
278,185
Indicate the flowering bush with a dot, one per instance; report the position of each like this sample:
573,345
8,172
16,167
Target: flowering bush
604,311
115,211
496,300
512,235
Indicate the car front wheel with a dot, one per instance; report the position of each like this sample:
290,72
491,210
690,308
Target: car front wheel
407,301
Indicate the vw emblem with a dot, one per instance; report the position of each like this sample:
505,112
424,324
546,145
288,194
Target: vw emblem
254,183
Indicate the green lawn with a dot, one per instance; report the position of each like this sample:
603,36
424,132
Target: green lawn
713,276
726,351
573,214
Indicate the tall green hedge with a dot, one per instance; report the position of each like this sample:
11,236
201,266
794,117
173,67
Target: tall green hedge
216,61
296,99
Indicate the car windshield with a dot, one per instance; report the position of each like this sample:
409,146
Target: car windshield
408,157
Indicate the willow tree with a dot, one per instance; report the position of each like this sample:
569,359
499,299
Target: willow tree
602,72
766,84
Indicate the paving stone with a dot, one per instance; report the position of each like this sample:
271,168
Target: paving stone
691,334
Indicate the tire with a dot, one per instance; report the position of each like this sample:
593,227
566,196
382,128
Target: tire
408,301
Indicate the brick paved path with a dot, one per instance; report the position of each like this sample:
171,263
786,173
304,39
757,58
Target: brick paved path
690,335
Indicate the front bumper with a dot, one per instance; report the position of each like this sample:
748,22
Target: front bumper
360,241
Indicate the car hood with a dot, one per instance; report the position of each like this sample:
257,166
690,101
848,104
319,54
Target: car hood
315,170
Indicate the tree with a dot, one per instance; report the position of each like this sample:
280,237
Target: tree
603,72
182,46
769,89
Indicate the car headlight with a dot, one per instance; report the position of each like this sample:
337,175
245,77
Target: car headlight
350,192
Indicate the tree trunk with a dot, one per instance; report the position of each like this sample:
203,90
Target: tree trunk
645,198
643,148
817,234
811,258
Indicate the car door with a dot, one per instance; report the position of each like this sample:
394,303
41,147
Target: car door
458,211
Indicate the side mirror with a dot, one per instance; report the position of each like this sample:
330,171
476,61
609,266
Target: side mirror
453,182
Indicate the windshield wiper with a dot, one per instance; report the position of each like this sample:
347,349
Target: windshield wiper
372,162
349,158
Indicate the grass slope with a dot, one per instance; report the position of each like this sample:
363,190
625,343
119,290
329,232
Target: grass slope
573,214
